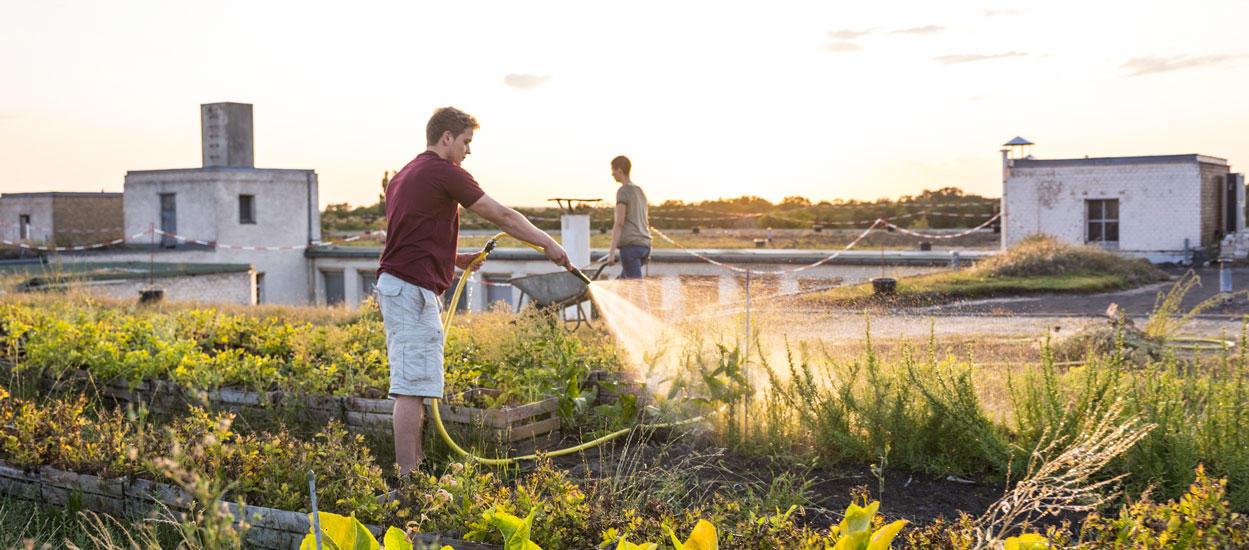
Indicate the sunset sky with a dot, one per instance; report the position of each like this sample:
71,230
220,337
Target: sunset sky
710,99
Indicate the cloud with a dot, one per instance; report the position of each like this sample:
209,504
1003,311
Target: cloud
525,81
924,30
1002,13
849,34
954,59
842,47
1151,65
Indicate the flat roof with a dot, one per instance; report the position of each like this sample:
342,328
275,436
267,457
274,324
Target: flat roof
1111,161
60,194
731,256
118,270
220,169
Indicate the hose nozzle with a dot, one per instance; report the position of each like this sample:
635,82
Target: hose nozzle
581,275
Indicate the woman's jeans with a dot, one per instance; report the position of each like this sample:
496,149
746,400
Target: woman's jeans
632,258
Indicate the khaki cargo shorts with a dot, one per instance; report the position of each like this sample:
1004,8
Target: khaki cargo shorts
411,315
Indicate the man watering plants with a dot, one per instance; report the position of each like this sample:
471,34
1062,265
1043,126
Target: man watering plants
419,261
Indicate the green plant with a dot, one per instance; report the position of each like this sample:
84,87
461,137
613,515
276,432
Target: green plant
703,537
515,530
855,530
347,533
1198,519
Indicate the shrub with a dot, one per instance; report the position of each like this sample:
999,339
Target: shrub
1040,255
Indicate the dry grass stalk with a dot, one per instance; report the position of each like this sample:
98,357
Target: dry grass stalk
1060,477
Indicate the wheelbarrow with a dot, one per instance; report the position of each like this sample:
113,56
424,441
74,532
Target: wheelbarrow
556,291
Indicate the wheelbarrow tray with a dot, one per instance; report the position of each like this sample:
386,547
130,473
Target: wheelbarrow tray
560,288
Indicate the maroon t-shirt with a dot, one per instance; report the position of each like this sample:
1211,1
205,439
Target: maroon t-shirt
423,220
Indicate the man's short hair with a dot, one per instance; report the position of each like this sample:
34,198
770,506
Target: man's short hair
622,162
448,119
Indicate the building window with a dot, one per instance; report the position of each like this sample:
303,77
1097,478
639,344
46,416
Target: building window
368,281
247,208
23,224
335,288
260,288
446,296
1103,222
168,220
498,291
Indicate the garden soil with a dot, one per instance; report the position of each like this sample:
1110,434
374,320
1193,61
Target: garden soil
918,498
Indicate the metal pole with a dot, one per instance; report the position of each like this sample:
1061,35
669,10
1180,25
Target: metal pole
316,518
746,362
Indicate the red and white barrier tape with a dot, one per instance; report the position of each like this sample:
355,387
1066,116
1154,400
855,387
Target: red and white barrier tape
74,248
827,259
898,217
949,236
267,248
587,266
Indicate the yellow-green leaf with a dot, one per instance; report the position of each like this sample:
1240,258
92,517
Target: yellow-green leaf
883,537
853,541
396,539
337,533
703,537
1030,541
626,545
515,530
857,518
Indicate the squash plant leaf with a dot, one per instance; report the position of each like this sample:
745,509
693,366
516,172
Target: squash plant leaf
883,537
339,533
396,539
515,530
702,538
1030,541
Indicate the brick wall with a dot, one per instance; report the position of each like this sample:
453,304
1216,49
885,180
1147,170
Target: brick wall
217,288
1160,204
87,219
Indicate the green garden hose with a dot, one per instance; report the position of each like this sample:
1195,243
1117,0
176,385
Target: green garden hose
442,429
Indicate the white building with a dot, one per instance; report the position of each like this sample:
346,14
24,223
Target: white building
227,202
1158,207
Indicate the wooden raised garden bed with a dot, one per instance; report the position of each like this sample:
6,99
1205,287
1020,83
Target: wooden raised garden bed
271,528
520,429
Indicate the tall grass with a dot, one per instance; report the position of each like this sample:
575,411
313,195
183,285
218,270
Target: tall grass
927,415
1046,255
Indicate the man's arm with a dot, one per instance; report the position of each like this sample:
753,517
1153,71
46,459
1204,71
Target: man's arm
516,225
621,211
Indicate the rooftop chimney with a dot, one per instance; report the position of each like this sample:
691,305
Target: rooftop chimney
226,130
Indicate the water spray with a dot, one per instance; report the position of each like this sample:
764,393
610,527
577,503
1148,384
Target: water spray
442,429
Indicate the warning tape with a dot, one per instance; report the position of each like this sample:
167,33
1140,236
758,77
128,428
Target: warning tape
825,260
268,248
898,217
949,236
587,266
113,242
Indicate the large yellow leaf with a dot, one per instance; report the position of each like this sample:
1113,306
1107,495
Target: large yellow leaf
853,541
515,530
857,519
883,537
396,539
626,545
1030,541
337,533
702,538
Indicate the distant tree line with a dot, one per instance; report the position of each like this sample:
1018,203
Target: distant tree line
745,212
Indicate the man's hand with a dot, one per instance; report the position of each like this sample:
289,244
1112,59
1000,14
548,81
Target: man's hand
465,262
558,256
611,257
